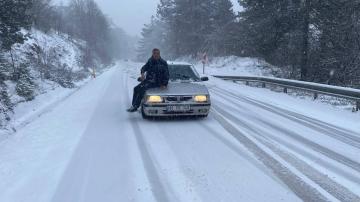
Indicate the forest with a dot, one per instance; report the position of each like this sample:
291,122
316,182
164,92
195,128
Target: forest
310,40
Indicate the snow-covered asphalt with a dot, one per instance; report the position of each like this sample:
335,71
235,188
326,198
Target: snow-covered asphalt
257,145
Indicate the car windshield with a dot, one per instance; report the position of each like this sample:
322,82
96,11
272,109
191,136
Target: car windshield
183,72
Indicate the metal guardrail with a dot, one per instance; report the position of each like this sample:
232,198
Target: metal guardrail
341,92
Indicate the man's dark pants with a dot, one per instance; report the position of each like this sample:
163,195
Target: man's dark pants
139,92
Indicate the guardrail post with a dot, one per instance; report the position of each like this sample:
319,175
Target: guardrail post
357,106
247,83
285,90
264,85
316,95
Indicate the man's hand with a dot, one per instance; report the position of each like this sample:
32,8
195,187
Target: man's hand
163,87
142,77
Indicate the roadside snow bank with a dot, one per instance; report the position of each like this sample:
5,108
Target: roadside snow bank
234,66
53,70
25,112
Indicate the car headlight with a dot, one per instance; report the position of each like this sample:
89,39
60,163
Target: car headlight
154,99
201,98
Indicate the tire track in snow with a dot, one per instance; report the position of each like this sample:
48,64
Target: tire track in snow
294,182
157,187
296,148
332,187
343,135
337,190
314,146
239,151
77,178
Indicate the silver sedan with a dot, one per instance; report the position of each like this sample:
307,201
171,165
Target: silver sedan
185,95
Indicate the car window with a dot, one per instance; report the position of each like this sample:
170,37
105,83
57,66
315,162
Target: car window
183,72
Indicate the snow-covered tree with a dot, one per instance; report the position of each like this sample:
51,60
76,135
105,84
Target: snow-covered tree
152,36
5,105
338,40
43,14
63,75
14,15
25,86
189,27
89,23
5,102
221,40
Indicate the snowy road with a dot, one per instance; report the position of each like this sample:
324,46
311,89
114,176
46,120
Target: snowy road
256,145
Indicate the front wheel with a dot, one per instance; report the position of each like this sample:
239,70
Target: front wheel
143,114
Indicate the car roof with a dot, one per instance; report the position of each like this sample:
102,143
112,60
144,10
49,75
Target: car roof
178,63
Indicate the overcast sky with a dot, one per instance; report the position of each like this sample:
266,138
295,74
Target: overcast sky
131,15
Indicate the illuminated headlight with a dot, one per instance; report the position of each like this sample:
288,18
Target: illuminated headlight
201,98
154,99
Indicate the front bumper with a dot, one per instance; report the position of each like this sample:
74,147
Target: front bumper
160,110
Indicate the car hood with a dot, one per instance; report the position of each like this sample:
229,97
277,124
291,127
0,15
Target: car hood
180,89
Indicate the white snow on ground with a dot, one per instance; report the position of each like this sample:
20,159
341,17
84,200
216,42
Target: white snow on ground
257,145
318,134
51,138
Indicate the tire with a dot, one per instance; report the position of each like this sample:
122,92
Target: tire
144,116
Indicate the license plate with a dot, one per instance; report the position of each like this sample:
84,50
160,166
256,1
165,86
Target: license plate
178,108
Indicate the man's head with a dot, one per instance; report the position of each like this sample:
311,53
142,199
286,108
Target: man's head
156,54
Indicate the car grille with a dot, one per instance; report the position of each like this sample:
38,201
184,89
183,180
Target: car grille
172,99
185,99
178,98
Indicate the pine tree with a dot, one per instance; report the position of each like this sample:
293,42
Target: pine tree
14,15
268,22
146,43
5,102
339,43
189,27
274,30
220,41
43,14
5,105
189,24
4,68
306,10
25,86
152,36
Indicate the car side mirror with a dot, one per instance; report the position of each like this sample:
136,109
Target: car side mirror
205,78
139,79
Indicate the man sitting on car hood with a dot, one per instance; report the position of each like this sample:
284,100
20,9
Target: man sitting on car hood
157,76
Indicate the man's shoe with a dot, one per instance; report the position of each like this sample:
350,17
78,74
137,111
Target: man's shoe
132,109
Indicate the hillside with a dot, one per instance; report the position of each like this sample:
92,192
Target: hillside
44,63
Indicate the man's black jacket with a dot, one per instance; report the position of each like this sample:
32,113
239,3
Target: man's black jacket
157,72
